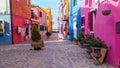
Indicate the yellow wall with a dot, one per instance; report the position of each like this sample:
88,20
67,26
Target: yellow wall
66,10
48,19
66,13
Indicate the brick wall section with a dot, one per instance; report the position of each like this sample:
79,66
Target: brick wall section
21,8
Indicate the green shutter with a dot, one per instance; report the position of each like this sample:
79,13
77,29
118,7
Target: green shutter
74,2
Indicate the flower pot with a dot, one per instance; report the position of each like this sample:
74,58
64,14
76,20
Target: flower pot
48,37
106,12
37,45
75,42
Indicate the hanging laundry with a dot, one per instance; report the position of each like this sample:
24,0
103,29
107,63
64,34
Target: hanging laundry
26,31
18,29
23,32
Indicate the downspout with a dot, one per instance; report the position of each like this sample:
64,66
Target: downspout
11,20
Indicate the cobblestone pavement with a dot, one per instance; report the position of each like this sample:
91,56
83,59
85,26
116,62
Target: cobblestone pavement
55,54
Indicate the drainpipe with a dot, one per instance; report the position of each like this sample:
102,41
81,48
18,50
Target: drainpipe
11,19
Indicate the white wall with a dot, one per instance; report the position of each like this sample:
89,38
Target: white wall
5,6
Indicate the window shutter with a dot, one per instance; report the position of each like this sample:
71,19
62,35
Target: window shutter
40,14
74,2
90,21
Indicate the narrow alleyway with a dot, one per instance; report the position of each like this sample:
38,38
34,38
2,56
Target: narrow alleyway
55,54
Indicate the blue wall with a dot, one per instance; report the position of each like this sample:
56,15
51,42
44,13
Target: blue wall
6,38
74,12
70,24
78,21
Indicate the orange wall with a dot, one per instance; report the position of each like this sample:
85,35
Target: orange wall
49,20
21,8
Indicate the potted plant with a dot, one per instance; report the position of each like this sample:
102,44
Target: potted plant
48,34
99,50
87,39
81,39
75,41
106,8
36,43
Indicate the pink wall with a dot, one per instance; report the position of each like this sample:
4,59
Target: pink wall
43,18
86,7
37,11
39,20
105,28
18,21
85,12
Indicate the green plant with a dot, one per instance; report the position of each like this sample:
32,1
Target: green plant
96,42
80,36
48,33
35,34
74,39
88,38
82,41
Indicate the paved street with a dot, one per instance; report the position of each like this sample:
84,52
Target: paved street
55,54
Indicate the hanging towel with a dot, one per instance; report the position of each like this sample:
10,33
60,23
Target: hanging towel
19,30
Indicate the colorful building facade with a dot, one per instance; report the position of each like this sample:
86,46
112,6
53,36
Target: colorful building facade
70,26
14,23
60,18
5,22
16,20
48,19
109,32
88,16
65,17
104,26
20,20
39,18
74,19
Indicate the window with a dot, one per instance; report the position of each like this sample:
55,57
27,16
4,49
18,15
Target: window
74,2
45,28
42,28
47,17
40,14
118,27
26,22
90,21
32,14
